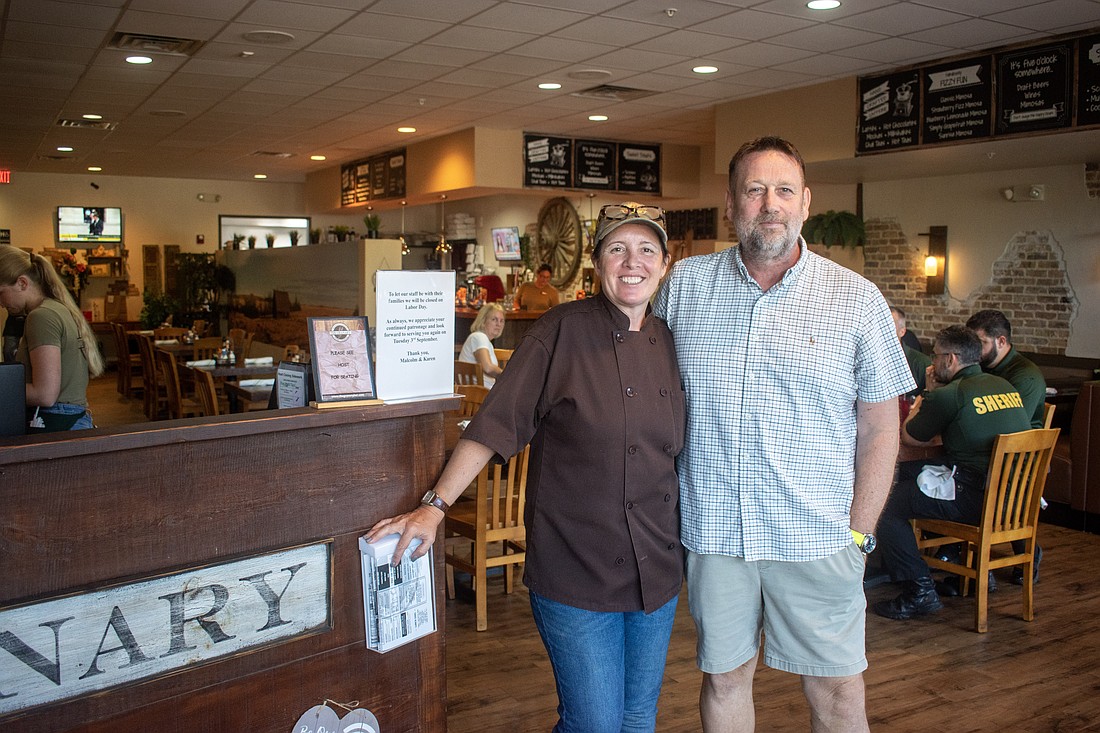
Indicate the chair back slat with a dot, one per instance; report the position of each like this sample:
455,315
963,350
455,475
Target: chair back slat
473,396
1017,476
501,494
206,392
467,373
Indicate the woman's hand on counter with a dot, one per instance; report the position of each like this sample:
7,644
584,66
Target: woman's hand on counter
421,524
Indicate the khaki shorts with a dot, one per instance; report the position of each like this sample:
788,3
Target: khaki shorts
812,614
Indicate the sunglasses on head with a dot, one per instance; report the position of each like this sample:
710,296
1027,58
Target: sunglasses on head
616,212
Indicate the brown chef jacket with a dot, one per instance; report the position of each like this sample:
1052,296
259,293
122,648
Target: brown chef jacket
603,409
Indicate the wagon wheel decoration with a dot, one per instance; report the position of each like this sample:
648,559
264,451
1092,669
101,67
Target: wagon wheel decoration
560,240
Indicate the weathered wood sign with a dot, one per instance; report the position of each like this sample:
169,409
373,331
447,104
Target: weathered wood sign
62,648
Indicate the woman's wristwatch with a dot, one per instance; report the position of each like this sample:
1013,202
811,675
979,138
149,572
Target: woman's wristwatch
433,499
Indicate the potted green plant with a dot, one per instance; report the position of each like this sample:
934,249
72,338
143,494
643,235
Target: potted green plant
373,222
293,237
341,232
835,227
252,241
315,236
237,239
270,237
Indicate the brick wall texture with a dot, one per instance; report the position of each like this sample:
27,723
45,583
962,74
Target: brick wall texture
1092,180
1028,283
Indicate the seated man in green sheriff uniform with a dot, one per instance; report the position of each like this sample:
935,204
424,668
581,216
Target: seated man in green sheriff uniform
966,408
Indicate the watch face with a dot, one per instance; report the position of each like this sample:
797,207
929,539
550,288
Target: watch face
869,544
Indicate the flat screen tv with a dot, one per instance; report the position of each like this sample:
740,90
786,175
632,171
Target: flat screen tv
89,224
506,244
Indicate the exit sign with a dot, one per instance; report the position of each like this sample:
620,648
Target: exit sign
5,176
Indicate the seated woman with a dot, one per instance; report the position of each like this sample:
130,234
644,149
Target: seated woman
58,348
478,348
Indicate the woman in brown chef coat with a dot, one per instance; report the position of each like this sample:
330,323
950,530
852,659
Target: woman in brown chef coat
595,389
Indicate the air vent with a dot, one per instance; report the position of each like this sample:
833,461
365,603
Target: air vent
155,44
612,93
271,154
88,124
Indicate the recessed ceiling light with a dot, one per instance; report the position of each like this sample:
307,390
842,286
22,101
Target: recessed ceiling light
549,85
138,60
260,176
268,36
597,118
823,4
406,129
94,168
92,117
705,69
64,149
589,74
317,157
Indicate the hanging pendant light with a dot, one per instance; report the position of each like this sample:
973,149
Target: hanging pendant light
443,247
401,237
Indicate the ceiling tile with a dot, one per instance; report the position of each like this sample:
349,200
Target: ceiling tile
753,25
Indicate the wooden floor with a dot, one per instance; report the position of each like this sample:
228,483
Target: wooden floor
928,675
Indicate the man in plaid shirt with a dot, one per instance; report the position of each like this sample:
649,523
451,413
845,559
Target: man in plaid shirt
792,368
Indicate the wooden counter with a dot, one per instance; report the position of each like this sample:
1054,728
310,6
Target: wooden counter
516,324
101,509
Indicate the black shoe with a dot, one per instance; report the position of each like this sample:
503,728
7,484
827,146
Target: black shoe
918,599
1018,572
949,587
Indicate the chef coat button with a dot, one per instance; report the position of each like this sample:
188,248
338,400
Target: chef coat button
630,392
664,392
630,505
652,339
620,561
619,337
668,498
632,449
672,545
668,448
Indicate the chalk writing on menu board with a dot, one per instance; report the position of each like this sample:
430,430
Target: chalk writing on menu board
1088,81
594,164
378,177
889,111
547,161
1034,89
640,168
958,100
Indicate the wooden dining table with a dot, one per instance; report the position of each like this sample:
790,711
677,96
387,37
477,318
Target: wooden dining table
247,397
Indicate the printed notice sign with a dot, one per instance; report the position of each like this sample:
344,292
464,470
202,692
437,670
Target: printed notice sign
415,333
342,368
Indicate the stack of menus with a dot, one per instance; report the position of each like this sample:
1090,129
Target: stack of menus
398,601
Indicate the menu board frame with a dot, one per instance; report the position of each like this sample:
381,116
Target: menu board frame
375,178
329,385
889,111
1041,87
594,164
558,162
547,161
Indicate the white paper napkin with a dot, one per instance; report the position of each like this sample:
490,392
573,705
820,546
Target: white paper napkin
165,342
259,361
199,363
256,383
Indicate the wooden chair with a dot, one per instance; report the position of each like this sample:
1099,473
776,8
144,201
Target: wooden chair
206,348
156,399
198,327
503,355
494,520
129,365
178,405
467,373
472,397
206,393
169,332
1048,415
1017,474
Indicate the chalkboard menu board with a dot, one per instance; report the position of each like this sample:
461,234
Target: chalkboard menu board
1034,89
595,164
889,111
1088,80
957,101
378,177
640,168
547,161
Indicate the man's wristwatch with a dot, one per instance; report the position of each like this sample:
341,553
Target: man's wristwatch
434,499
865,542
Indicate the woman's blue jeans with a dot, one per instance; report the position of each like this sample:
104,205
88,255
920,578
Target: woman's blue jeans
65,408
608,667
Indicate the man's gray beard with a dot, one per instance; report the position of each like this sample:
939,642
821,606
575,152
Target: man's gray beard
755,247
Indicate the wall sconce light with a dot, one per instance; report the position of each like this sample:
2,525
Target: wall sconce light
935,264
1019,194
208,198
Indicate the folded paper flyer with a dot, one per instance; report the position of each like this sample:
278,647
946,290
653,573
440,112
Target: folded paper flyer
398,602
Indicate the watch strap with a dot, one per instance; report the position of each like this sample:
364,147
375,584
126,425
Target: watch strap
433,499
